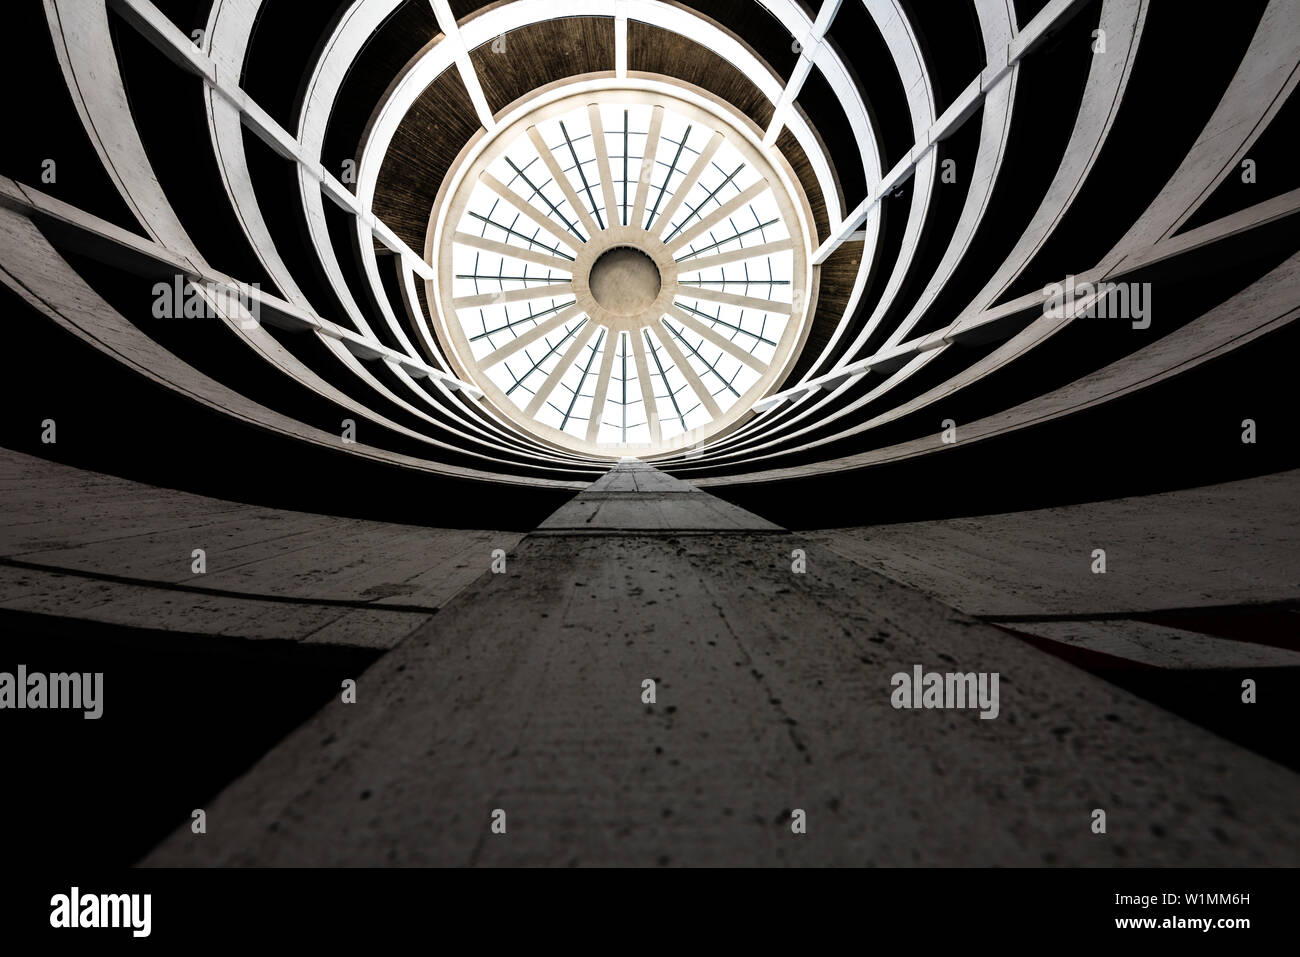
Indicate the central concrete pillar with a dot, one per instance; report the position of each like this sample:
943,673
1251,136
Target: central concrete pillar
657,677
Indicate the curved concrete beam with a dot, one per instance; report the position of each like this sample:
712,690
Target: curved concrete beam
1267,305
84,46
89,53
1269,73
28,262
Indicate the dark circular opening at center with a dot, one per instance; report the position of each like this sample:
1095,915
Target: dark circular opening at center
624,280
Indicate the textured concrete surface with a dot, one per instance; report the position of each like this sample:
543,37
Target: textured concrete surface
773,693
1159,646
624,280
634,497
1220,545
1215,545
86,545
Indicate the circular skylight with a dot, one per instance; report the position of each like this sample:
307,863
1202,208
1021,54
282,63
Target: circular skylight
622,271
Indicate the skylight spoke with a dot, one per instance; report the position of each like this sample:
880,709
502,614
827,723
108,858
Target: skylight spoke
537,191
745,302
721,322
692,177
509,325
532,240
602,162
602,390
712,367
586,371
647,166
647,389
710,196
577,163
532,335
736,255
719,340
672,168
561,367
549,352
513,295
505,249
520,203
688,373
562,181
737,202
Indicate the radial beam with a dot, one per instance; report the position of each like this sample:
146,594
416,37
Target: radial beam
515,252
715,337
647,389
647,167
502,296
718,215
602,164
561,367
692,177
736,255
602,390
744,302
688,373
529,337
562,181
526,208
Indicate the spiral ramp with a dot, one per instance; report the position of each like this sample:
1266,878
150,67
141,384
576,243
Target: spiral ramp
502,356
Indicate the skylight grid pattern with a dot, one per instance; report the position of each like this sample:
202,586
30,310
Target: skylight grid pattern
756,331
678,407
492,217
572,145
521,375
567,328
525,174
679,146
765,275
724,376
490,328
626,130
569,406
478,271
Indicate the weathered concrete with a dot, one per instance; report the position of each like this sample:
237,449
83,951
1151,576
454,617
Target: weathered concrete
634,497
1159,646
773,694
1216,545
190,613
86,545
1219,545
